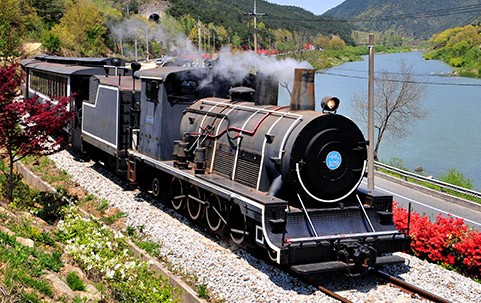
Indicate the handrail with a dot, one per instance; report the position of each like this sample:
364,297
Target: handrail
442,185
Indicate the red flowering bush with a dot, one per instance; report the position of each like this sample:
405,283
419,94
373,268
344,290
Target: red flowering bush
447,241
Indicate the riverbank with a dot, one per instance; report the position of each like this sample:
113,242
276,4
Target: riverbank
323,59
460,48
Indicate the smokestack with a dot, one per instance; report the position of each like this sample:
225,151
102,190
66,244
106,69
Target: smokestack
302,97
267,88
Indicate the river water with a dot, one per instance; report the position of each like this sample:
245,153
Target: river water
448,137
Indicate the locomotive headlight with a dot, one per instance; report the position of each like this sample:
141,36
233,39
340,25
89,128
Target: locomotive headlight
330,104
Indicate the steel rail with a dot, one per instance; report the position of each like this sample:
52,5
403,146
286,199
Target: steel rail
409,288
332,294
441,184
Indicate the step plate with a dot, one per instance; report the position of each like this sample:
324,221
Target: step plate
316,268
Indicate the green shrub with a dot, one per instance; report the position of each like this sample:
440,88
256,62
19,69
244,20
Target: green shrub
397,163
203,292
51,205
74,282
452,176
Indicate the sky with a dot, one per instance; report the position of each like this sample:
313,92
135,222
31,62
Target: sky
318,7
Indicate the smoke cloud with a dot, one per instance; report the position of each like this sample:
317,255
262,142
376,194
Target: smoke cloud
228,66
132,29
237,66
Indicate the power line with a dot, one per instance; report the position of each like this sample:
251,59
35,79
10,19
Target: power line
389,73
406,16
404,81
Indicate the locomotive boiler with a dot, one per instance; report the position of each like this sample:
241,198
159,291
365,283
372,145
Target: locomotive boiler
283,179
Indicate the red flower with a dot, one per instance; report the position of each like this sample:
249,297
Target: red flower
447,241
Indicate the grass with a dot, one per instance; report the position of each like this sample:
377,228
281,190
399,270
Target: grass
152,248
202,292
112,219
452,176
432,186
74,282
23,266
103,206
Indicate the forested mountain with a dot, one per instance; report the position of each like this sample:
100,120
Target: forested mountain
106,27
402,16
231,15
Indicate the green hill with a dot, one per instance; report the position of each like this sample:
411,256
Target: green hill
231,15
402,16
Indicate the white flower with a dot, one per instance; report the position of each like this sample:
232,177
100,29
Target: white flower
110,274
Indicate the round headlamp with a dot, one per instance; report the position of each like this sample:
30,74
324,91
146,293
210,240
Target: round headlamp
330,104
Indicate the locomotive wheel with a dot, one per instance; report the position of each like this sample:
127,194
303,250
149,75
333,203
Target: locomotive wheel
237,222
177,193
156,187
194,202
213,212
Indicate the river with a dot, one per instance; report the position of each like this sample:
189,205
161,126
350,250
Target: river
448,137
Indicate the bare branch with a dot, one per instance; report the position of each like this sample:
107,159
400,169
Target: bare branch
396,103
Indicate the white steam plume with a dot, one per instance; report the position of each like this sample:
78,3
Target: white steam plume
237,66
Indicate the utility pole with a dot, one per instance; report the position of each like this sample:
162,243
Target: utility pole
255,14
198,26
147,44
370,118
136,50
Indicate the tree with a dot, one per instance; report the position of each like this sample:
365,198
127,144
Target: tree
81,30
337,43
396,104
322,42
51,11
11,28
26,126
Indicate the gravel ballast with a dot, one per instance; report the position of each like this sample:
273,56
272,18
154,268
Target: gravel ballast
233,275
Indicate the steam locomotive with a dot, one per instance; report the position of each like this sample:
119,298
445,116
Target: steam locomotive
284,179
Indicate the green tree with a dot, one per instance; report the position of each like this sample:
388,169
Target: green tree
337,43
81,30
11,29
322,42
222,35
188,23
52,43
51,11
236,40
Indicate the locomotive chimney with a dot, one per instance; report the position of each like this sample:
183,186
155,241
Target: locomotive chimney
302,97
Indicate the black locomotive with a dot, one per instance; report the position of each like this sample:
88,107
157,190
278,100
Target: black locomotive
281,178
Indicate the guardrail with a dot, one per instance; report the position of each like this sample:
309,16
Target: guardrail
442,185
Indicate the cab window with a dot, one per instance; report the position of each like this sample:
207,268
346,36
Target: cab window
152,91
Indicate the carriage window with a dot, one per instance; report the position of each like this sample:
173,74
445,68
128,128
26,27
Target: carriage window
152,91
49,85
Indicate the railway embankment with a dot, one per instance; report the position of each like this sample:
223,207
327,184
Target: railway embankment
180,289
230,274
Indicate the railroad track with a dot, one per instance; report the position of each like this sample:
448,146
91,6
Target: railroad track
410,288
394,282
